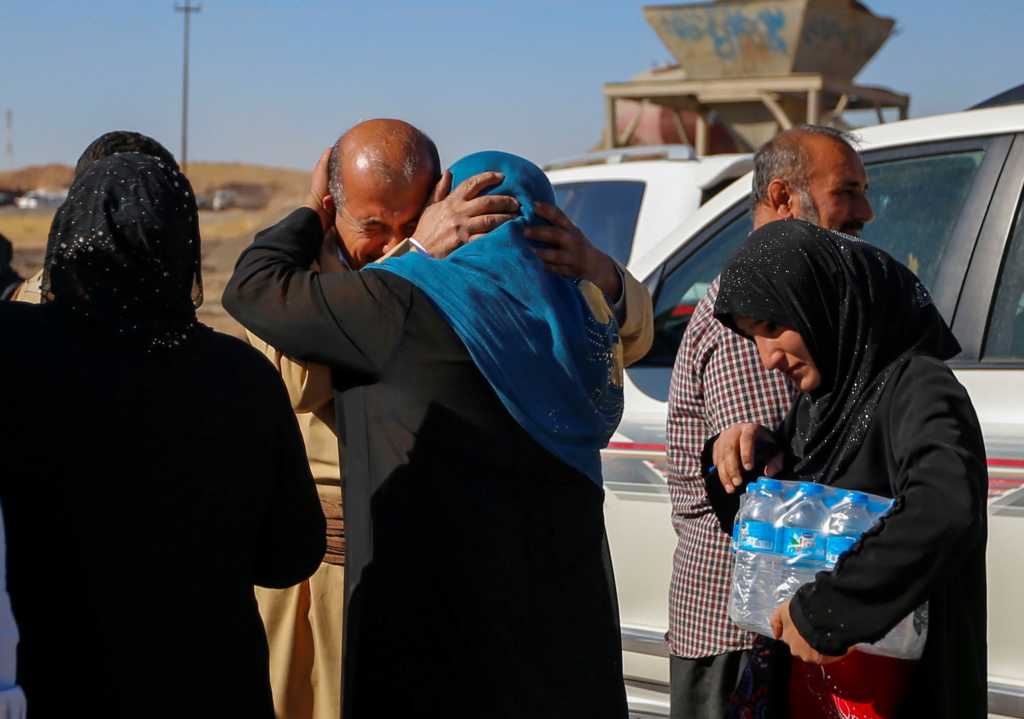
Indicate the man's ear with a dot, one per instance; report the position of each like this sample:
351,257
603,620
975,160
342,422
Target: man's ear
780,200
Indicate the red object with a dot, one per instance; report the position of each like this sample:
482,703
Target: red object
999,462
860,686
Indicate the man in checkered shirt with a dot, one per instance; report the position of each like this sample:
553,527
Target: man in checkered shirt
811,173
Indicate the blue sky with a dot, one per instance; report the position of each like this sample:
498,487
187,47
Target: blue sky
276,82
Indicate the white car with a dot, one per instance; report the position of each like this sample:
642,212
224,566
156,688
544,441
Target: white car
35,199
627,199
947,193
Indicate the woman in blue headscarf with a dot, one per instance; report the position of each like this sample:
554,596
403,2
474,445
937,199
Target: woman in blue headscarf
474,395
547,344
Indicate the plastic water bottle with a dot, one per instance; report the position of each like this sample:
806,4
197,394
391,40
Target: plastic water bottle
755,524
801,540
751,601
851,517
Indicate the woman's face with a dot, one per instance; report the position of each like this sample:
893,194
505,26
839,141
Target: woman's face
782,348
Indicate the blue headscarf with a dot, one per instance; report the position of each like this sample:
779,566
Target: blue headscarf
530,332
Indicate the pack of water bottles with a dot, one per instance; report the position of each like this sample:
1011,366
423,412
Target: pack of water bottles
785,533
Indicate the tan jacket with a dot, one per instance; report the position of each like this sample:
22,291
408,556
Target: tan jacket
310,392
637,329
309,389
30,290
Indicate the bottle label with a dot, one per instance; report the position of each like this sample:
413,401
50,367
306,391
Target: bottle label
805,544
837,545
754,536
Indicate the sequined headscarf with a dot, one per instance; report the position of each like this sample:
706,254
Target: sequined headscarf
107,144
861,314
124,251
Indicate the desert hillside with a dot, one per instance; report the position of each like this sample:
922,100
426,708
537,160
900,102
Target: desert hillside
36,176
204,176
224,233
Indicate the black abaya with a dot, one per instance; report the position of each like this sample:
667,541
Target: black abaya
891,419
475,559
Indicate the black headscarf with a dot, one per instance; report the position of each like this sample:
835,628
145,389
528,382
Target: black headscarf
110,143
107,144
124,253
861,313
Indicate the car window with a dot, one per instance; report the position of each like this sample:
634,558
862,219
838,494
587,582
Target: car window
917,203
1005,340
605,211
686,285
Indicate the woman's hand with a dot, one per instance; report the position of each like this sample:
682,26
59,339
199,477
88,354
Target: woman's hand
784,630
733,453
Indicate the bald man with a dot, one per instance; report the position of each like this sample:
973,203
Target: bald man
386,186
388,195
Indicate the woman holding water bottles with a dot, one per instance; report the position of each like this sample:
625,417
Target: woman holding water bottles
879,412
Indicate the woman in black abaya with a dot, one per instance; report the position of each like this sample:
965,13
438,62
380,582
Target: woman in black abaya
879,412
153,471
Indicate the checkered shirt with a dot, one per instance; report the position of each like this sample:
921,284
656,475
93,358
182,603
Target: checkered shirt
717,381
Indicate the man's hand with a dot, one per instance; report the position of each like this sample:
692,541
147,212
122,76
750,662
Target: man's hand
733,453
784,629
452,219
570,253
319,198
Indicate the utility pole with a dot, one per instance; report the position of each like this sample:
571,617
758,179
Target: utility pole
9,136
188,8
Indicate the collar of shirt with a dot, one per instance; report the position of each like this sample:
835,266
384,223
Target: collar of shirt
341,256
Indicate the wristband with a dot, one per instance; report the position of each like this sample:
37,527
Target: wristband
416,243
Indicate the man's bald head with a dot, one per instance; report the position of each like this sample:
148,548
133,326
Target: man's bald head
381,174
382,151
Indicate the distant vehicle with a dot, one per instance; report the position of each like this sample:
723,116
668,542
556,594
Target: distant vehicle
948,193
242,196
627,199
36,199
7,198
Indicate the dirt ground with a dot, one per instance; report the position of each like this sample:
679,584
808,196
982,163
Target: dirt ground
224,234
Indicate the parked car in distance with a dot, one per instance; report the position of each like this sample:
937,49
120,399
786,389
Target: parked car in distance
947,193
240,195
628,198
204,201
35,199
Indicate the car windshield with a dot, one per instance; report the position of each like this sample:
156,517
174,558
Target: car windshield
605,211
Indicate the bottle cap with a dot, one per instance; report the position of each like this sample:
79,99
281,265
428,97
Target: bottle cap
772,485
809,489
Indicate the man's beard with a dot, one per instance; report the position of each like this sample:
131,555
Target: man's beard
809,213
